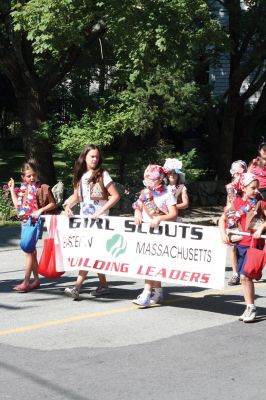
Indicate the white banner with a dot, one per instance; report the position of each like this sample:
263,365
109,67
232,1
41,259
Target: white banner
177,253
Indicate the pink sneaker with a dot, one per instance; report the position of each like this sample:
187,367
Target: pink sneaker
35,284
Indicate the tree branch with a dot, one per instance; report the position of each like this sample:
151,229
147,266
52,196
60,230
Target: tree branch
253,87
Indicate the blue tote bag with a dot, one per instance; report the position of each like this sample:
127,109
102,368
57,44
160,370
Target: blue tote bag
30,232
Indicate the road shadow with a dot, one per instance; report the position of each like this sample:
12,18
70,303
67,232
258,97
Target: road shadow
9,237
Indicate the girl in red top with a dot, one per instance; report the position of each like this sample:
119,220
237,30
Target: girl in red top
258,168
245,208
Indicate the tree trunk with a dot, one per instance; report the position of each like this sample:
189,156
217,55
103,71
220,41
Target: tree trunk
225,147
31,109
123,157
214,135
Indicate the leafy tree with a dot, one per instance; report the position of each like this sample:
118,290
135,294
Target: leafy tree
234,119
40,41
158,46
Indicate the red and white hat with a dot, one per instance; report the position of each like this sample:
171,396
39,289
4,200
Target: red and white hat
154,172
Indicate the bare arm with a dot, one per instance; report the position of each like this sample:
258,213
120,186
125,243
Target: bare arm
138,216
185,201
50,206
11,185
71,202
224,236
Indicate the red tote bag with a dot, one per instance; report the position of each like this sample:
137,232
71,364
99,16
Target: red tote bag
256,260
47,263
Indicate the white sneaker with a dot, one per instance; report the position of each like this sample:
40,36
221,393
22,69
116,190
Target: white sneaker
248,315
100,291
156,298
142,300
72,292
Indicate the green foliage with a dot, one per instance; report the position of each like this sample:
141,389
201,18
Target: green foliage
164,100
52,26
144,65
156,46
6,206
151,32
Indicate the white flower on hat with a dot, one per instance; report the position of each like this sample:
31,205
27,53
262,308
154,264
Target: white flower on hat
173,164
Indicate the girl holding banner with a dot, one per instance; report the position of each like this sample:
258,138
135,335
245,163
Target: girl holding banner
96,193
155,204
248,213
31,200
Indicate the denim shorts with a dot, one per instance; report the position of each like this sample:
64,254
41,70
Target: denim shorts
241,253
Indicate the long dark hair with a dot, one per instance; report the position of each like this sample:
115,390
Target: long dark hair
81,167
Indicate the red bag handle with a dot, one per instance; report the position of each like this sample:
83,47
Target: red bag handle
253,243
52,227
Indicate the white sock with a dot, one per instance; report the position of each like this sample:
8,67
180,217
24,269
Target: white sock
146,293
252,306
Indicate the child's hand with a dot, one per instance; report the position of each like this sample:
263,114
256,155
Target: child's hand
68,211
138,217
11,183
225,238
36,213
155,222
258,232
95,215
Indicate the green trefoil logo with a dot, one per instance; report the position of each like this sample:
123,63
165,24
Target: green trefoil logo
116,245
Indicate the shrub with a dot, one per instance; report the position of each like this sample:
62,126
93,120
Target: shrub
7,211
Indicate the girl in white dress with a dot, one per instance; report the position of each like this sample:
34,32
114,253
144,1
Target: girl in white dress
96,193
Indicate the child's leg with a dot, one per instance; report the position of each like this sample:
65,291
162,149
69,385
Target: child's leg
80,279
148,285
248,289
233,259
31,266
250,312
35,266
234,280
102,279
157,296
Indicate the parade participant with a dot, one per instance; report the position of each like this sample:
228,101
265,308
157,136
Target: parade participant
96,193
258,168
237,168
155,204
243,214
176,180
32,199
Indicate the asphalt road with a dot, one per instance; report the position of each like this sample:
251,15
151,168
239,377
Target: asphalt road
192,347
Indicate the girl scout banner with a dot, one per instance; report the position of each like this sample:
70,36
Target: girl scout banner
175,253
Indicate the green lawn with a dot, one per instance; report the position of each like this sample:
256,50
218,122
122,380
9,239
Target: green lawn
10,163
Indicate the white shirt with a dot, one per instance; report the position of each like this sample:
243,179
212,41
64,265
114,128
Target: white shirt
173,189
163,201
